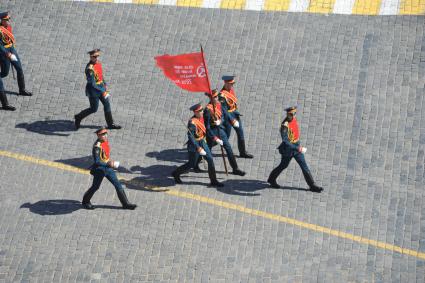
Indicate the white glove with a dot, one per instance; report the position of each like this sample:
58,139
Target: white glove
13,58
106,95
217,122
303,150
202,152
236,124
219,141
116,164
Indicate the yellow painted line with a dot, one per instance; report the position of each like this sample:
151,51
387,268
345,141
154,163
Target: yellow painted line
232,4
232,206
367,7
276,5
412,7
321,6
295,222
189,3
146,2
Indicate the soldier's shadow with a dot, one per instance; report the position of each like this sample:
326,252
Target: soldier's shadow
58,206
53,206
173,155
293,189
153,178
243,187
51,127
249,187
79,162
85,163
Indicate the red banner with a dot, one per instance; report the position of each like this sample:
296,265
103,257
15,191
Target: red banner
187,71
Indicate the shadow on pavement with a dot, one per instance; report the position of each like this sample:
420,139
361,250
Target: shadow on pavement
59,206
52,127
174,155
152,177
79,162
293,189
243,187
53,207
250,187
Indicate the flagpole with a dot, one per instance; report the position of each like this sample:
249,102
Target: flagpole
206,69
213,103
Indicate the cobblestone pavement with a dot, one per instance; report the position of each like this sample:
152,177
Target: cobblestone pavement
358,82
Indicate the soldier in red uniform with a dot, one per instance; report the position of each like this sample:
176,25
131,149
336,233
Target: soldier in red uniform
291,148
102,167
215,116
96,90
9,55
228,96
197,146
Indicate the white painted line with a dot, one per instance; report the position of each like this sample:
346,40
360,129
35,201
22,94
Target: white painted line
298,5
343,7
256,5
389,7
211,4
168,2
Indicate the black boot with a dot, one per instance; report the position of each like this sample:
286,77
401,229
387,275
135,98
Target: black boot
310,181
196,169
110,121
124,201
238,172
80,116
77,121
176,177
5,103
21,85
242,150
234,165
25,93
273,182
213,178
86,200
180,170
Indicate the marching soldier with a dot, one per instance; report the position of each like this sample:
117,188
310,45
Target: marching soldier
291,148
228,96
104,167
8,54
96,90
3,98
215,116
197,146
